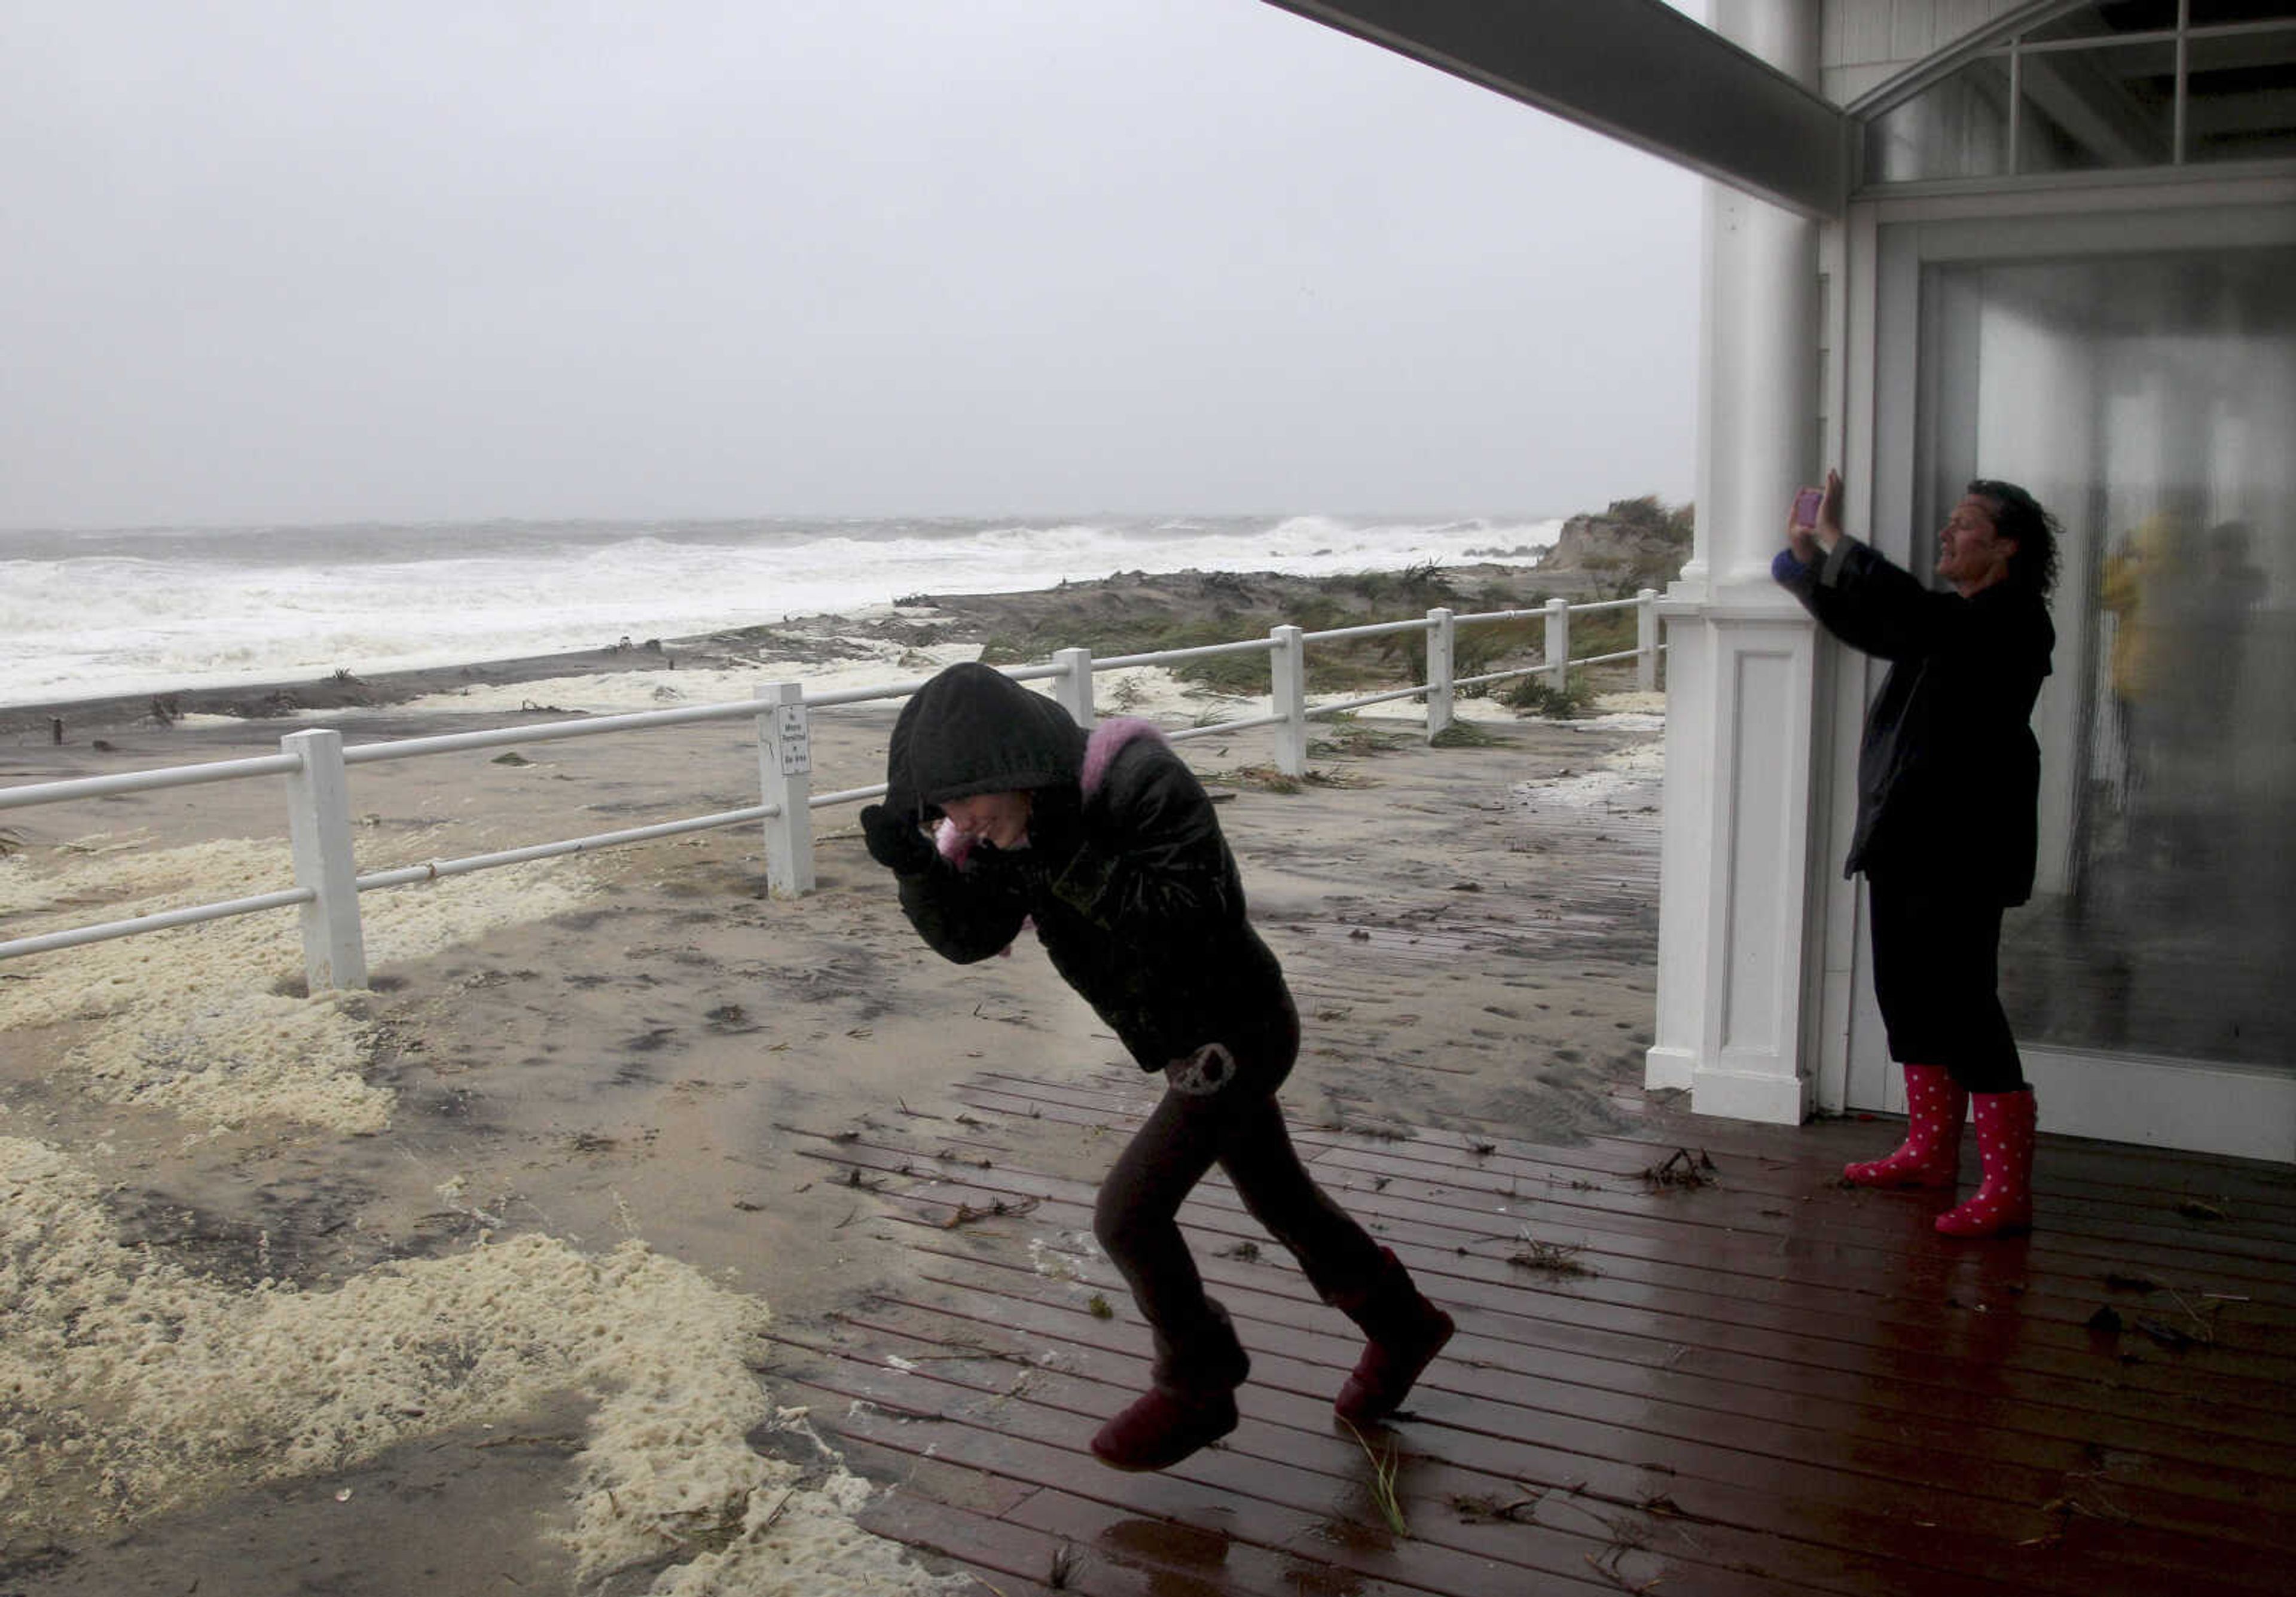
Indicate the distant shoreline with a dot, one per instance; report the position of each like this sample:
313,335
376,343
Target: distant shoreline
973,618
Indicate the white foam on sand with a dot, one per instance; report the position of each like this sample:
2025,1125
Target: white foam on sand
644,687
200,1388
191,1019
1629,778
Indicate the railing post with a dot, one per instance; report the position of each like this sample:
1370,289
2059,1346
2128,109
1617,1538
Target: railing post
785,774
1442,634
1558,645
1074,683
319,833
1287,680
1646,639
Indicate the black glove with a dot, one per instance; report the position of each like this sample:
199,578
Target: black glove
895,843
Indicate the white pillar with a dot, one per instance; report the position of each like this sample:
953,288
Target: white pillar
1558,645
1442,635
785,777
319,835
1736,880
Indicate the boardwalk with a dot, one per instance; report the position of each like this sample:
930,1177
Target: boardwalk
1689,1362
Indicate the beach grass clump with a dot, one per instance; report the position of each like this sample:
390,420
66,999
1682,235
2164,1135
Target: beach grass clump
1535,696
1345,735
1466,734
1267,779
1604,632
1422,587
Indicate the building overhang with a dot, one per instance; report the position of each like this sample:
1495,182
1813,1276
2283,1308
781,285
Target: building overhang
1635,70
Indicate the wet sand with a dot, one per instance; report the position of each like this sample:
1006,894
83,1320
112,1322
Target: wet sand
610,1061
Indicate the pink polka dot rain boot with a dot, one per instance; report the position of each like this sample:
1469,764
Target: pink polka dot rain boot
1931,1154
2004,1203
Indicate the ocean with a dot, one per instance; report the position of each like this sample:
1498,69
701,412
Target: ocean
94,614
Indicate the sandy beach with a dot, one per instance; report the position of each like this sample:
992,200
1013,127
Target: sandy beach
453,1285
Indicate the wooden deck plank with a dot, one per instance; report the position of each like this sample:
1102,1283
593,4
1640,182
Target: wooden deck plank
1637,1265
1769,1385
1843,1438
1926,1380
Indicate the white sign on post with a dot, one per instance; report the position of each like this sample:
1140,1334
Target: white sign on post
796,739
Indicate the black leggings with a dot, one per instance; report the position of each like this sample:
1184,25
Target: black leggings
1936,973
1219,1109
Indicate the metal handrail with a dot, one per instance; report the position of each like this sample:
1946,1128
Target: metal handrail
790,841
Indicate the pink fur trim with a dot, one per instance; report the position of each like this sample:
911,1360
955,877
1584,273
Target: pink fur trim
1110,738
954,845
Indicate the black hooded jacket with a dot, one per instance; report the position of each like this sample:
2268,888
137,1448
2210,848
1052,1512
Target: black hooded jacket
1948,771
1133,890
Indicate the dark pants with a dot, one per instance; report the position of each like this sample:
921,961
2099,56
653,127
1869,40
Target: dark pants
1219,1109
1936,973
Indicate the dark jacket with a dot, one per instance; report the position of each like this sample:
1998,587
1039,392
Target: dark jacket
1949,772
1133,890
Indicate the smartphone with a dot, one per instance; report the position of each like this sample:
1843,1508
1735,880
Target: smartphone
1807,504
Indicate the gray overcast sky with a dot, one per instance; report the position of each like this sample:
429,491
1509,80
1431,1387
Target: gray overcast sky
278,261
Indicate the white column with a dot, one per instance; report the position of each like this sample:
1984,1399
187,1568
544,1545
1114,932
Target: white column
319,835
1736,875
1558,645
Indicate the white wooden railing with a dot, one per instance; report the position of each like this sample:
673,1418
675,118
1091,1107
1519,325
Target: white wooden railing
317,766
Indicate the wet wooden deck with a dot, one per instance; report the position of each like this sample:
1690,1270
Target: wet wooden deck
1754,1381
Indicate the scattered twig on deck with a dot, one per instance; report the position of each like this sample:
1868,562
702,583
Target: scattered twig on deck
1478,1510
966,1214
1683,1169
1553,1259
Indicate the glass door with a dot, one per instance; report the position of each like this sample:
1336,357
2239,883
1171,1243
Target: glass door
2143,389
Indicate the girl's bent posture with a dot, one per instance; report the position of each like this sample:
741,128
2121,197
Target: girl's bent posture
1110,844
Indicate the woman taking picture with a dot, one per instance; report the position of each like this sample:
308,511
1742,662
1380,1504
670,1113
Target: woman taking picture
1948,784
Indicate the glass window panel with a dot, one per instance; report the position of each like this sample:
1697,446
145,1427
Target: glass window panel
1958,128
2207,13
2110,17
2115,106
2241,96
2148,401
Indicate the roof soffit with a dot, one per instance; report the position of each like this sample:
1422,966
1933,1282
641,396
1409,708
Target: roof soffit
1635,70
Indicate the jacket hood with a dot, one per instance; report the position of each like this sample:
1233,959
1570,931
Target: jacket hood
974,730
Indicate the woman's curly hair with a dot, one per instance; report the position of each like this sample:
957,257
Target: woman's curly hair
2018,516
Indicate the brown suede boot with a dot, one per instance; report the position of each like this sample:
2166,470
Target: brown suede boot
1406,1333
1165,1426
1191,1405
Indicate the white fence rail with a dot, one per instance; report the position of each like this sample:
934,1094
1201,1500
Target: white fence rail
317,765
